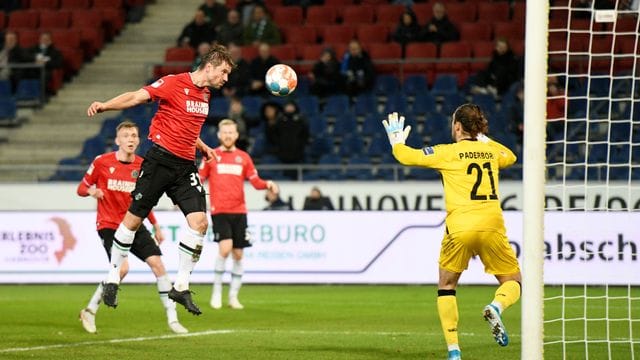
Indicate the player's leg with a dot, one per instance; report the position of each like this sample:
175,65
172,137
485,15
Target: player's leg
500,260
224,248
454,257
241,240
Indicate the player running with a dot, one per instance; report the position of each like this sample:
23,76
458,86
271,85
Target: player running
474,224
226,173
169,166
110,180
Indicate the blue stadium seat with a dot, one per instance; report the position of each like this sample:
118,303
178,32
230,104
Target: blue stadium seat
396,102
345,123
379,145
303,87
415,140
252,105
620,131
434,123
599,86
135,113
372,125
332,173
486,102
8,108
108,128
317,125
451,103
93,147
619,154
365,104
28,92
259,147
5,89
320,145
597,153
423,104
145,145
445,85
71,169
386,84
354,173
218,107
351,144
415,84
309,105
336,105
270,174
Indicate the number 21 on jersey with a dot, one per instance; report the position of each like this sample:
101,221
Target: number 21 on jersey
477,169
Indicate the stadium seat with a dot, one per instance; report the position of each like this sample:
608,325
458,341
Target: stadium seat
415,84
23,19
8,108
309,105
451,102
182,55
486,102
252,106
460,13
365,104
372,33
357,14
66,38
28,37
345,124
423,11
284,52
337,33
330,173
396,102
478,31
55,19
28,92
423,104
372,124
435,122
218,107
299,35
290,15
92,40
457,55
93,147
379,144
249,52
352,144
510,30
388,14
389,53
336,105
358,168
317,125
320,145
73,60
418,57
445,85
493,11
386,84
44,4
482,53
321,15
5,89
75,4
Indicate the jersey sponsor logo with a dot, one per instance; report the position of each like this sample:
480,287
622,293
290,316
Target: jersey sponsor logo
157,83
186,91
230,169
120,185
111,169
197,107
474,155
428,150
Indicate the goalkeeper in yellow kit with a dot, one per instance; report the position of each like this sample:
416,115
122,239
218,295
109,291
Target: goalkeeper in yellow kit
474,225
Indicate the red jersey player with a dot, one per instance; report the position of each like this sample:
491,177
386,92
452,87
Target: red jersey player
169,166
110,179
226,173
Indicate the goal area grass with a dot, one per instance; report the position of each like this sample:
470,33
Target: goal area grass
278,322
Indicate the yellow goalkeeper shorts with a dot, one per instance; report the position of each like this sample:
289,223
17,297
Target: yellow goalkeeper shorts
493,248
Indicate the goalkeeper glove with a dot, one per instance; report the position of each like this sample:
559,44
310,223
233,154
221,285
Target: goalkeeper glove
396,131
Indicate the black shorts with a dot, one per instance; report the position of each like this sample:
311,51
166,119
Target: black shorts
231,226
162,172
143,243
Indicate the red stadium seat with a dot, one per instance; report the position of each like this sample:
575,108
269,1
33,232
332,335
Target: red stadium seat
602,51
28,37
391,53
423,11
114,19
309,54
54,19
627,24
372,33
357,14
338,2
285,53
481,49
460,13
321,15
44,4
416,55
3,20
626,47
338,33
82,18
479,31
340,49
92,39
510,30
517,46
249,52
69,38
108,4
519,12
388,14
75,4
23,19
493,11
180,55
457,54
289,15
299,34
73,60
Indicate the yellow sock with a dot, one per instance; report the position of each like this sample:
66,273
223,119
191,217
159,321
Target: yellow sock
448,311
507,294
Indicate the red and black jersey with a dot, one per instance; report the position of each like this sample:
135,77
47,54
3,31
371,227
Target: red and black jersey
226,173
182,109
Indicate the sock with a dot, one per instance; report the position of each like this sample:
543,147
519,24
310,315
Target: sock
94,303
448,311
506,295
190,249
236,278
122,241
164,285
218,272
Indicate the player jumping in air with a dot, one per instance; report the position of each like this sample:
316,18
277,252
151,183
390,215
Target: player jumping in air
169,166
474,224
109,180
226,173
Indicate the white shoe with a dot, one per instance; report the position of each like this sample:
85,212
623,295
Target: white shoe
88,319
216,300
177,328
235,304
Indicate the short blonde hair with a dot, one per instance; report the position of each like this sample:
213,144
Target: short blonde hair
224,122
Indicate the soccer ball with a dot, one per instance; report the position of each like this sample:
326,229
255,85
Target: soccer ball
281,80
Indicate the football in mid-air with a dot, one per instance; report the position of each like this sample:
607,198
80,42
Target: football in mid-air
281,80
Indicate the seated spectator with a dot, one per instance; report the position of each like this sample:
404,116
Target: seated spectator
239,80
45,53
259,67
325,76
214,13
440,29
261,29
203,49
245,8
288,134
503,70
275,203
11,53
197,31
231,31
357,70
237,114
408,29
315,201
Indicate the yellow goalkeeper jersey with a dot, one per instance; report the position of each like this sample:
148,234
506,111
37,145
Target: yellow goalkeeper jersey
469,171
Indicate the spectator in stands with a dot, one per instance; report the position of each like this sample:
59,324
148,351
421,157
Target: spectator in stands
275,203
232,30
239,81
315,201
516,114
11,53
245,8
440,29
259,67
357,69
503,70
261,29
288,134
214,13
197,31
408,29
45,53
325,76
237,114
203,49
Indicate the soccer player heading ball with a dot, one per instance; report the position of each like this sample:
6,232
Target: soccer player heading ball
474,225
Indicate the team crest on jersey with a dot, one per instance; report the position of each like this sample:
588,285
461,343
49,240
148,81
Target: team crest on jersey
157,84
111,169
428,150
134,173
186,91
238,159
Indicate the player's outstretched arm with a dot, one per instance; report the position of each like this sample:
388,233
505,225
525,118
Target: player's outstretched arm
120,102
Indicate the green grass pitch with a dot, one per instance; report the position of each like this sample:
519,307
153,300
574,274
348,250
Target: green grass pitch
278,322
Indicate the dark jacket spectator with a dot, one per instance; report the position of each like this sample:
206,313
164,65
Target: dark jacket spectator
261,29
288,135
11,53
243,122
45,53
408,29
203,49
239,80
214,13
325,76
503,70
259,67
231,31
275,202
315,201
357,70
440,29
197,32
